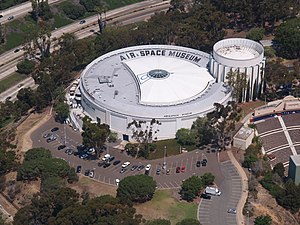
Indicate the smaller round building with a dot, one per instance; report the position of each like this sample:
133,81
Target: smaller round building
242,56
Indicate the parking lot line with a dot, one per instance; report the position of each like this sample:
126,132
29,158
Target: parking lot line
191,164
177,185
167,185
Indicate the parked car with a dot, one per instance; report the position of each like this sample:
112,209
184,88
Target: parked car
47,135
84,156
50,139
198,164
168,171
78,169
61,147
158,171
92,174
106,165
148,167
204,160
54,129
123,170
134,167
111,158
140,167
203,163
100,164
178,169
82,21
232,211
116,162
106,157
205,196
183,169
125,164
87,172
69,151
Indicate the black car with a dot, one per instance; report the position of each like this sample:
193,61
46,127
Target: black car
61,147
140,167
106,165
205,196
134,167
87,173
204,160
100,164
78,169
111,158
16,50
198,164
116,162
203,163
54,129
178,169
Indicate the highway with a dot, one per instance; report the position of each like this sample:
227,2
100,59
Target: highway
19,11
123,16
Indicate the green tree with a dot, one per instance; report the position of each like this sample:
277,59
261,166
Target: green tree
37,153
191,188
138,188
26,66
41,9
256,34
158,222
279,169
72,11
263,220
238,83
186,136
204,131
223,120
62,111
26,95
52,183
94,134
2,34
188,221
207,179
7,161
287,36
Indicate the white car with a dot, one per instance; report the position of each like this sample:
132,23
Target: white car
125,164
106,157
148,167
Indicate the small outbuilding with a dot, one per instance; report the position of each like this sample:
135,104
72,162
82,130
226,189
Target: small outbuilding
294,168
243,138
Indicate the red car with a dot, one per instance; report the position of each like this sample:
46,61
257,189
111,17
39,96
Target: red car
182,169
178,169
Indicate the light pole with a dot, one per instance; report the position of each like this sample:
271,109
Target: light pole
165,163
247,217
65,138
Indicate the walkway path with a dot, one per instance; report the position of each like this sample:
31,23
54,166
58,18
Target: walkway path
240,217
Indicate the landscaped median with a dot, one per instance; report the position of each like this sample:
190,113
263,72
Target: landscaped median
10,81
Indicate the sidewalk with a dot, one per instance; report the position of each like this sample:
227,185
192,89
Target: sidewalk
239,216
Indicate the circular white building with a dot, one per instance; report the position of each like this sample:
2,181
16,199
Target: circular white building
170,84
240,55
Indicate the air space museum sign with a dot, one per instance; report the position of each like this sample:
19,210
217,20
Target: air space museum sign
161,52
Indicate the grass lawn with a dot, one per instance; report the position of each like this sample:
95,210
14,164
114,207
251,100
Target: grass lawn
9,81
172,147
163,205
60,21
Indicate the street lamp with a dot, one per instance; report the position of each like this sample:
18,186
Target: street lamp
247,217
65,138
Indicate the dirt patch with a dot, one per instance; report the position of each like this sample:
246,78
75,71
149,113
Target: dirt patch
230,33
93,187
264,204
25,129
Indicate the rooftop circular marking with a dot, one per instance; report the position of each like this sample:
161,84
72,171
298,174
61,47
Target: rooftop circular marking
158,74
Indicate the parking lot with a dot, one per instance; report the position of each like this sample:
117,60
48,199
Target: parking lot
220,209
65,135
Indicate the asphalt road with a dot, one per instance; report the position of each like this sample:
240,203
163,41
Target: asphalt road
214,211
19,11
110,174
